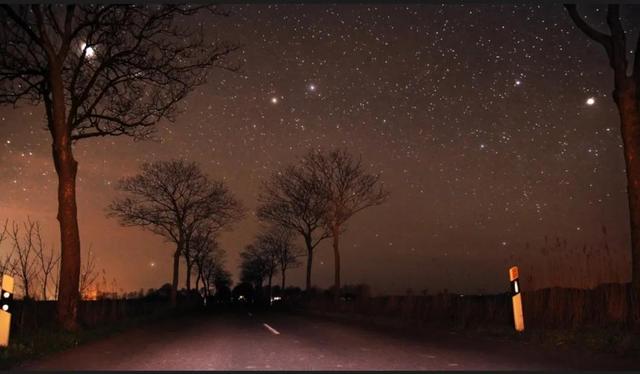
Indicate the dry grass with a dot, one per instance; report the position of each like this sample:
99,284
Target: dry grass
558,263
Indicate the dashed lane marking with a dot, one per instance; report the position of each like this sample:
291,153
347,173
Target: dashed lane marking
273,331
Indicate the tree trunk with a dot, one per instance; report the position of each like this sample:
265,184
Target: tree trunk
188,280
44,287
336,256
309,262
630,126
628,104
284,270
66,168
25,282
187,260
197,288
176,270
270,278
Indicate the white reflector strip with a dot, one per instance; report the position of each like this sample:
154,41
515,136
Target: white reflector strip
273,331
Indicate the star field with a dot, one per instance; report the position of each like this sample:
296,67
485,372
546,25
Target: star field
492,126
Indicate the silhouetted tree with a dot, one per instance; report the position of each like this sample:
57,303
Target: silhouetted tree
24,265
626,95
88,273
47,261
222,279
291,199
269,251
347,188
208,258
254,266
173,199
100,70
6,262
278,242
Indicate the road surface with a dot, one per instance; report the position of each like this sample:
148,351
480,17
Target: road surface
268,341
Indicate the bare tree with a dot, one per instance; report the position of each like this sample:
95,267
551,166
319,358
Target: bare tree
88,273
6,262
277,241
100,70
221,278
174,199
626,94
47,261
208,258
291,199
254,266
347,188
267,245
24,244
201,247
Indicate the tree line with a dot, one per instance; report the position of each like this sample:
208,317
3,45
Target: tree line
312,199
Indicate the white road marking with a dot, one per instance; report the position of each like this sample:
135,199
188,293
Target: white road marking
273,331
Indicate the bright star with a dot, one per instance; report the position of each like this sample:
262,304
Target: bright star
274,100
312,87
518,82
591,101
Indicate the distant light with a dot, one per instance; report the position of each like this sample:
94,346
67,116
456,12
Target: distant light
312,87
518,82
591,101
5,307
274,100
152,264
6,295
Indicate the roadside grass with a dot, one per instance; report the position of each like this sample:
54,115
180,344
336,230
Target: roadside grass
614,340
46,341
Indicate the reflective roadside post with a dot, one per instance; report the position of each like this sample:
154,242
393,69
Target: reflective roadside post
516,299
5,316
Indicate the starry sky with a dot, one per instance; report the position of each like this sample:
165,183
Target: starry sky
492,126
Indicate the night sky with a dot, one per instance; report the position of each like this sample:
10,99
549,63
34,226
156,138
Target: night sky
492,126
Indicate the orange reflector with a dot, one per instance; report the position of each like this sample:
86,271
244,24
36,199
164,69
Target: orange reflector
516,299
6,296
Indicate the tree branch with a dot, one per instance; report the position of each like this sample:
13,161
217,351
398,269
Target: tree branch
600,37
22,23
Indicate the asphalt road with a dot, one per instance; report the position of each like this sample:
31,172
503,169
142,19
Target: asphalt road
268,341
